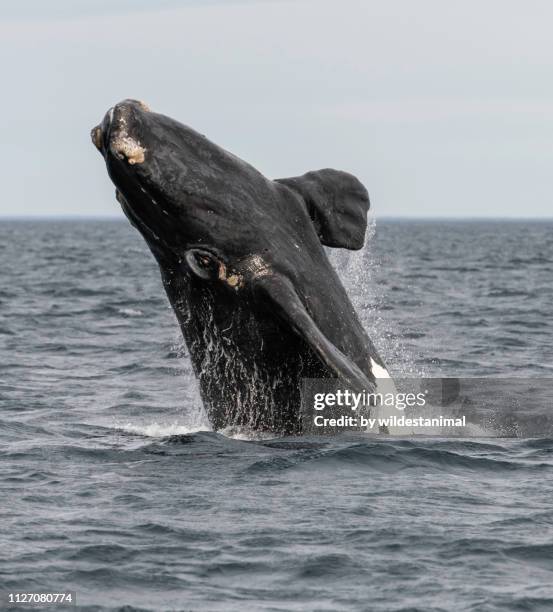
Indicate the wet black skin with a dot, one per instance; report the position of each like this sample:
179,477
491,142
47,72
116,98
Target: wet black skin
242,262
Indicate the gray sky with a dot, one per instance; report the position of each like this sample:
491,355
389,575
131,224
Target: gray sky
440,108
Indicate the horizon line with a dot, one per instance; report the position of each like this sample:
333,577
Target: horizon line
77,217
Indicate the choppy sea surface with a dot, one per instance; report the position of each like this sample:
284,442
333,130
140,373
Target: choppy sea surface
113,486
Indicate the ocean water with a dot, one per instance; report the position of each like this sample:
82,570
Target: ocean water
113,486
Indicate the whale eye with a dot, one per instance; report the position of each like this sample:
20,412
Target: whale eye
203,263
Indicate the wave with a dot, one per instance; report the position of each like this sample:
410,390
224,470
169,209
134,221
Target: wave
161,430
130,312
393,456
245,433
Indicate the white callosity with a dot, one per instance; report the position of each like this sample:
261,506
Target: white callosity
126,146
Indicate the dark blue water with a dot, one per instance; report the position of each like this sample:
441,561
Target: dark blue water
111,485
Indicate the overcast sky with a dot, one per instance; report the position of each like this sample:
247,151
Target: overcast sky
440,108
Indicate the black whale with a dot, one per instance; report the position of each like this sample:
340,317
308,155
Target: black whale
241,257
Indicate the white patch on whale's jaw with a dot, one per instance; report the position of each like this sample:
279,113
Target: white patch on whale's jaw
385,384
378,370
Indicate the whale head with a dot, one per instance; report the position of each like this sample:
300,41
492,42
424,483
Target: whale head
217,225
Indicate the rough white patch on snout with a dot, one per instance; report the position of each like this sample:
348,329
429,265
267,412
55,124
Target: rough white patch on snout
124,145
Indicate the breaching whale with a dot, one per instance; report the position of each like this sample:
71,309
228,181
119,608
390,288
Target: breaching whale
242,261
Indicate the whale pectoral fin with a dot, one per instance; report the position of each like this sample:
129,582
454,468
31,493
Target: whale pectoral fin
287,304
337,203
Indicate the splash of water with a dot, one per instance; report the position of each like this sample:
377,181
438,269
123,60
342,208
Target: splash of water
358,271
